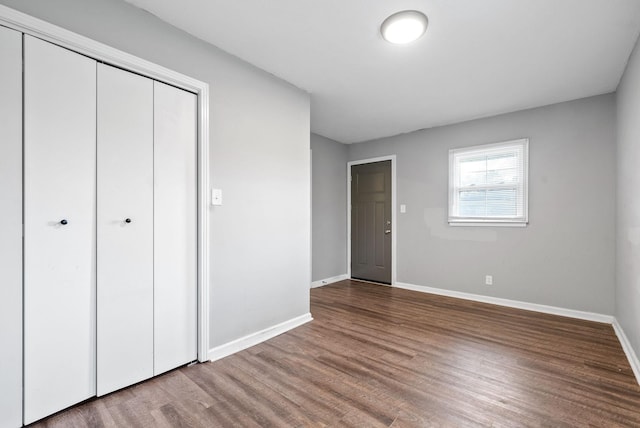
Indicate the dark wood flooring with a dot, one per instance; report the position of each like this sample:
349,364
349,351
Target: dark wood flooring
377,356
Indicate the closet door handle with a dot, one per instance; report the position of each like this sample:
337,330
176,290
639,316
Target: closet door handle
127,220
63,222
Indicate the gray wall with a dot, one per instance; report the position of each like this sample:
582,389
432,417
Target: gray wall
329,208
628,213
565,257
260,254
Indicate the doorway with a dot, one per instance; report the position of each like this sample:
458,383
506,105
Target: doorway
371,220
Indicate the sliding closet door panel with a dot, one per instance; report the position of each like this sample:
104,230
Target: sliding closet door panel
125,228
59,237
175,227
10,228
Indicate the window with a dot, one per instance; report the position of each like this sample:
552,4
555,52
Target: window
488,184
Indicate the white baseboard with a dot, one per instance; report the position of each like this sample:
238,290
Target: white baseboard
628,350
328,281
258,337
571,313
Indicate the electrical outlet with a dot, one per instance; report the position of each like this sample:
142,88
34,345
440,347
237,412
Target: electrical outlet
488,279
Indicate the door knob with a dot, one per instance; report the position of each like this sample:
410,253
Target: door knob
387,231
127,220
63,222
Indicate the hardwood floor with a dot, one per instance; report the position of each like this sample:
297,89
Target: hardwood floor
380,356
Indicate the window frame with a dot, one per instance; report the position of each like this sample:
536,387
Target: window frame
522,187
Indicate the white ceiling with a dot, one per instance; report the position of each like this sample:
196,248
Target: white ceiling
478,58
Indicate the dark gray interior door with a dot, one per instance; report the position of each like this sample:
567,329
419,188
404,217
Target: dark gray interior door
371,221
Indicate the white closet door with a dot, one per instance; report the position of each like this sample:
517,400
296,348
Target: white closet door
125,249
175,125
59,237
10,228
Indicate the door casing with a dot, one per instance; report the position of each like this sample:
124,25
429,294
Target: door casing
394,216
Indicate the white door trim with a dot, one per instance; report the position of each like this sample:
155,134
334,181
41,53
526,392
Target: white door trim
101,52
394,217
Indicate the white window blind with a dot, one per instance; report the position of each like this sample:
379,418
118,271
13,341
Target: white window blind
488,184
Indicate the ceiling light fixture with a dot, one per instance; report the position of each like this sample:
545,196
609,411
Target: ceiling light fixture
404,27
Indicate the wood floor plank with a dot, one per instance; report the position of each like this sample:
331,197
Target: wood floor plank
378,356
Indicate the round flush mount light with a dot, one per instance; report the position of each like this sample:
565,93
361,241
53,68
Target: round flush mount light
404,27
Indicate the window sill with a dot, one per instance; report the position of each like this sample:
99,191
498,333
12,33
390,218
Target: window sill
488,223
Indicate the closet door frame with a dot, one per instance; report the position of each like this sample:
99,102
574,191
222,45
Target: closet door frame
101,52
11,328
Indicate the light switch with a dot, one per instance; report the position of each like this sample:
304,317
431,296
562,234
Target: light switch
216,196
403,208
